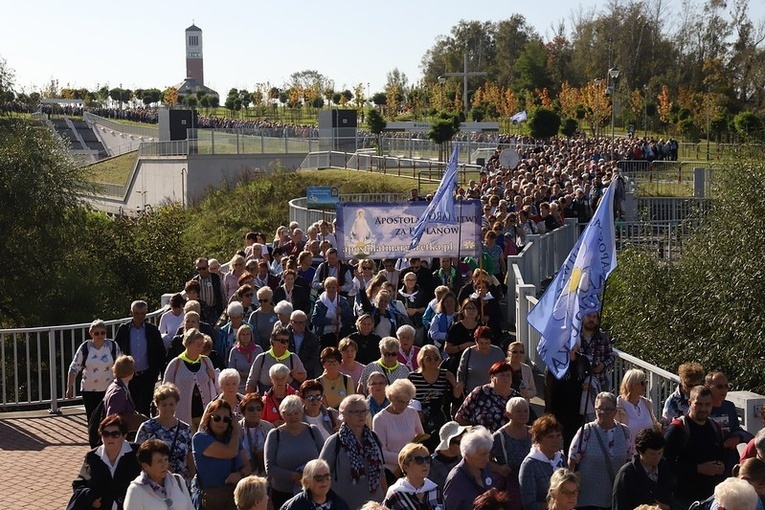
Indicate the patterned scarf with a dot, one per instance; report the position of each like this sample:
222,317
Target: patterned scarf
357,453
247,350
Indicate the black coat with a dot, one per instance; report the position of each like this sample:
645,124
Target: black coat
309,353
301,299
96,481
303,502
221,300
155,346
633,488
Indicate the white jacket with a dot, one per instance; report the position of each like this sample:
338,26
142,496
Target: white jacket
142,497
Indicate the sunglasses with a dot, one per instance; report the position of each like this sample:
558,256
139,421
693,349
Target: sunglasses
321,478
390,354
313,398
517,352
253,409
111,433
264,300
202,268
217,418
282,340
420,459
98,333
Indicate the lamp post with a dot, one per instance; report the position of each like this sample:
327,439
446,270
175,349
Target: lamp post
613,74
709,92
464,75
645,111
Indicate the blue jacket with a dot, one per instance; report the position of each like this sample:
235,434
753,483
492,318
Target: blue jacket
319,317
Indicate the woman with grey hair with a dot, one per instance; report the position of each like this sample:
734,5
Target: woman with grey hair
317,492
228,381
231,279
600,447
472,476
388,364
283,309
264,317
273,397
226,338
512,442
288,449
354,455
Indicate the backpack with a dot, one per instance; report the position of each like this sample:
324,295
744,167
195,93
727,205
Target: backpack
86,349
682,422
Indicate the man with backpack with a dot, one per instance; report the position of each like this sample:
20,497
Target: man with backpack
695,451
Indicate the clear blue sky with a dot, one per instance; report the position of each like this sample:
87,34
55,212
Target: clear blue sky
140,43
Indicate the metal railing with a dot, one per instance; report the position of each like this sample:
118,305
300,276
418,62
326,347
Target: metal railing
300,212
146,131
664,239
35,361
156,149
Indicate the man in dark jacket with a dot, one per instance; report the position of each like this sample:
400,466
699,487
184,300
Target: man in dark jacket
305,344
210,291
143,341
647,479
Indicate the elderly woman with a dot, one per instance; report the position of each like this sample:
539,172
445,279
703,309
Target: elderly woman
433,387
367,341
316,493
414,489
168,428
228,332
259,376
243,355
315,412
254,431
349,366
415,301
634,486
218,456
446,311
244,294
460,336
485,405
283,309
397,424
332,317
264,318
273,397
355,456
632,407
94,358
231,279
543,459
447,452
601,446
523,377
251,493
377,400
195,377
472,476
512,442
475,362
228,381
289,291
388,364
107,470
407,352
288,449
156,485
563,491
172,319
336,385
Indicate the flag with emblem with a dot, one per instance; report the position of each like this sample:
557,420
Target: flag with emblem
576,289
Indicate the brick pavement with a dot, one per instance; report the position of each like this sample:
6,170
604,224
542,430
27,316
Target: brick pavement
40,455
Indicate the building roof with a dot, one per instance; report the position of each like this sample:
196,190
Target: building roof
190,85
193,28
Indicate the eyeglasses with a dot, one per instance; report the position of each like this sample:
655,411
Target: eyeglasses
205,268
253,409
282,340
517,352
298,322
111,433
313,398
357,412
390,354
431,358
321,478
98,333
217,418
420,459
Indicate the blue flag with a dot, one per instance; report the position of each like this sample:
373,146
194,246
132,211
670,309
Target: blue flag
441,209
575,291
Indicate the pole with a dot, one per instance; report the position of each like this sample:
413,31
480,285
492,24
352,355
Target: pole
645,111
464,85
709,91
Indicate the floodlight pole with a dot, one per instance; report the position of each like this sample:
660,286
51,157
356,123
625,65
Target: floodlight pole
464,75
613,74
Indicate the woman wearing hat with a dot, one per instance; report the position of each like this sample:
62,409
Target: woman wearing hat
447,454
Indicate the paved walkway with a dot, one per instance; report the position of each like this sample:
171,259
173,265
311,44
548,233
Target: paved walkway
40,455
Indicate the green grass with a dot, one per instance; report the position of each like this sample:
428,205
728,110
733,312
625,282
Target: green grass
113,170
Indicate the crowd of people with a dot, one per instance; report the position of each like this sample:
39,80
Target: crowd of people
292,379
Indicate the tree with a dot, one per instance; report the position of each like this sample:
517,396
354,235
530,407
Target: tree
6,82
749,126
568,127
379,98
530,68
376,124
443,129
543,123
170,96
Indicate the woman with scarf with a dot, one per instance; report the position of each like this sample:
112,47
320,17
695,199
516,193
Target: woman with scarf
336,385
157,485
388,364
332,317
259,378
355,456
415,301
194,376
243,355
254,431
317,493
542,461
414,489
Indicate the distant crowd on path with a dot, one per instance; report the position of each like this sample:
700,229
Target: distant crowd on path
338,384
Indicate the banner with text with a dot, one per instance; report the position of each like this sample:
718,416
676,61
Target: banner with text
383,230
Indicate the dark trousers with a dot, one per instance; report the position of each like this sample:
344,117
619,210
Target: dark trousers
142,390
91,399
278,498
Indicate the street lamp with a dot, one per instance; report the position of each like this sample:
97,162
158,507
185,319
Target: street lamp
613,73
645,111
598,117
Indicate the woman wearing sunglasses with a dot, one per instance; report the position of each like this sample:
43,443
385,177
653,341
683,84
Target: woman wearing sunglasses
107,470
316,494
414,490
326,419
219,458
632,407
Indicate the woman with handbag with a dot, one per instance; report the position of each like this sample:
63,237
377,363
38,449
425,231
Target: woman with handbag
194,376
512,442
218,457
168,428
157,485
